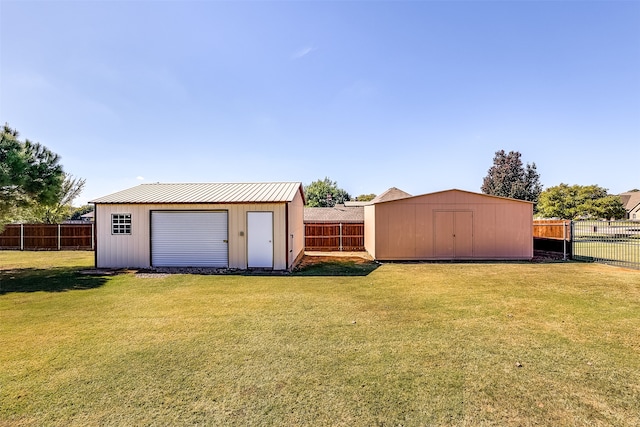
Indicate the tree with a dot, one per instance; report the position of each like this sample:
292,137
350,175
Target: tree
29,173
78,212
325,193
366,197
578,201
508,178
61,209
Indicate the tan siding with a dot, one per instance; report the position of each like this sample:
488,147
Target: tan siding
369,230
402,231
296,228
424,232
121,251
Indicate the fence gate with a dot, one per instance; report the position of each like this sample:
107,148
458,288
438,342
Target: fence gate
610,242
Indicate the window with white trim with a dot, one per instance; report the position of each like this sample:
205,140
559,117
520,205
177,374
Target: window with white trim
120,223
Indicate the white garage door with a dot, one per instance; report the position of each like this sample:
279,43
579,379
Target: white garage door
189,239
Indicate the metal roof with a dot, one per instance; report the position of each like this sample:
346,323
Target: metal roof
260,192
338,213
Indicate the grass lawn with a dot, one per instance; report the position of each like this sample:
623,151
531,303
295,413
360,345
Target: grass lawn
625,252
403,344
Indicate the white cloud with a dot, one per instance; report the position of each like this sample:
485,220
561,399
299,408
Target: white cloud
140,178
303,52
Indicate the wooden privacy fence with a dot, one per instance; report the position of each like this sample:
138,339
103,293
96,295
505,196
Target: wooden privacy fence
334,236
552,229
52,237
552,235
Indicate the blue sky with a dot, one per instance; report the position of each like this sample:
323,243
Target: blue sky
418,95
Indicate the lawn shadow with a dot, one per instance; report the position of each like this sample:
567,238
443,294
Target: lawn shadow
335,267
57,279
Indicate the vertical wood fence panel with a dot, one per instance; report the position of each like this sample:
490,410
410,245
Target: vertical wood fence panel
334,236
51,237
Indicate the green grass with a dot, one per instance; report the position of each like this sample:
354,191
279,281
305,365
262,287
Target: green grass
406,344
624,252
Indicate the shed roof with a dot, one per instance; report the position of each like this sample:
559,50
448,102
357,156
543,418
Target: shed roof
338,213
260,192
452,193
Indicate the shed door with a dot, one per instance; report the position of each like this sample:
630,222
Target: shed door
463,234
443,234
260,239
189,239
453,234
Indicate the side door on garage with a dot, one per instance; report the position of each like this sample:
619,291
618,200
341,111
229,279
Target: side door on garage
260,239
189,239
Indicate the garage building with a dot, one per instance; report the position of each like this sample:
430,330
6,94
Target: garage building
449,225
221,225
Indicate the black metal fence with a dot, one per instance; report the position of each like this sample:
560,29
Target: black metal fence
610,242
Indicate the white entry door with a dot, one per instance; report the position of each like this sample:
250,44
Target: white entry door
260,239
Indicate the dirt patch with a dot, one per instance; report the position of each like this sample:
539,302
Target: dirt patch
545,256
310,260
103,272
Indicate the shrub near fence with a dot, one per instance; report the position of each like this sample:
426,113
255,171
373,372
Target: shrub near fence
36,237
334,237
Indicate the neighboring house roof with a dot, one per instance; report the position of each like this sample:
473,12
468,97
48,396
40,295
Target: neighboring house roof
630,200
354,203
391,194
338,213
265,192
88,215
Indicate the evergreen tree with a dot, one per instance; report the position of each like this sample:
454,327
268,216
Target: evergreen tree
29,173
509,178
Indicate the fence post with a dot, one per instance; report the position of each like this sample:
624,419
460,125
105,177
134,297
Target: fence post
572,233
340,237
93,244
22,237
59,236
564,240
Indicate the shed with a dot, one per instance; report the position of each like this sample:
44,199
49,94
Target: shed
450,225
222,225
